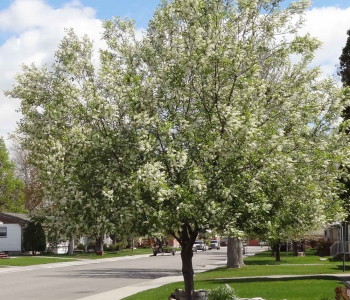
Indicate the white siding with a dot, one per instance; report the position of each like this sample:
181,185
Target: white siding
13,240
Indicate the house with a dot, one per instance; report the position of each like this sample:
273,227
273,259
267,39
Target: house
11,232
338,234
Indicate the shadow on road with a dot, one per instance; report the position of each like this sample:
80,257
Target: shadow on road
121,273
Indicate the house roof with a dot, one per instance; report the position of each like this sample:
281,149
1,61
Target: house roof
14,218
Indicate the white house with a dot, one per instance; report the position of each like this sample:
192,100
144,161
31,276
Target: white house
11,232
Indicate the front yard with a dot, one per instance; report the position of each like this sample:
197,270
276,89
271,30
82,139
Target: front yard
30,260
54,258
262,264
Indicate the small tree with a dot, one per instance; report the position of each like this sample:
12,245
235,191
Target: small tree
33,188
34,238
11,187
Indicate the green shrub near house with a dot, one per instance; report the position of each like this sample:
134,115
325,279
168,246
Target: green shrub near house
34,238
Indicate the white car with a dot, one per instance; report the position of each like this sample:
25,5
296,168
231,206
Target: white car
214,245
262,243
199,245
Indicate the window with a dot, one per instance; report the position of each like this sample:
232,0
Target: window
3,232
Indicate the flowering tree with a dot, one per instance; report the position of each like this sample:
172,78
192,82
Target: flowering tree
203,124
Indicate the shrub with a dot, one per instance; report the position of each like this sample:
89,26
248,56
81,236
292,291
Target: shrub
105,247
53,239
113,248
223,292
91,245
34,238
323,249
79,246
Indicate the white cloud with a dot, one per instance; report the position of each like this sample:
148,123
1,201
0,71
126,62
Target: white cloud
37,29
329,25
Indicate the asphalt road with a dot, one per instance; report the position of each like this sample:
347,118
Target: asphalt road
79,281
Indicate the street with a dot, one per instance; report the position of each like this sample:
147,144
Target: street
80,281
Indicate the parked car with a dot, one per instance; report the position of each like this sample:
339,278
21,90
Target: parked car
199,245
223,243
214,245
262,243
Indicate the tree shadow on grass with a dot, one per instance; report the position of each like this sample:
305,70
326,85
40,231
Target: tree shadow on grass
264,262
265,279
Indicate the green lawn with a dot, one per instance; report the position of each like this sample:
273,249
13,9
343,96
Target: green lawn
30,260
291,289
264,258
258,270
262,264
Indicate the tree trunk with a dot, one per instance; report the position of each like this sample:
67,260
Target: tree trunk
295,248
187,270
71,246
114,238
232,253
99,243
86,242
240,253
303,246
277,249
187,239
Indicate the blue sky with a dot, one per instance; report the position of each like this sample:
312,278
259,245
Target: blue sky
30,31
141,10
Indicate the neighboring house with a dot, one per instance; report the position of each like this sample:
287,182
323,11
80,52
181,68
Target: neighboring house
338,235
332,233
11,232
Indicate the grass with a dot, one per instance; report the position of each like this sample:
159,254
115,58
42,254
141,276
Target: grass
262,264
267,270
30,260
265,258
292,289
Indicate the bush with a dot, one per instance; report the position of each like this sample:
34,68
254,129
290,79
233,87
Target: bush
113,248
323,249
105,247
79,246
91,245
223,292
53,239
34,238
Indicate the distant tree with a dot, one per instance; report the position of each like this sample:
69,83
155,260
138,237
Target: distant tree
344,73
25,170
344,68
34,238
11,187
